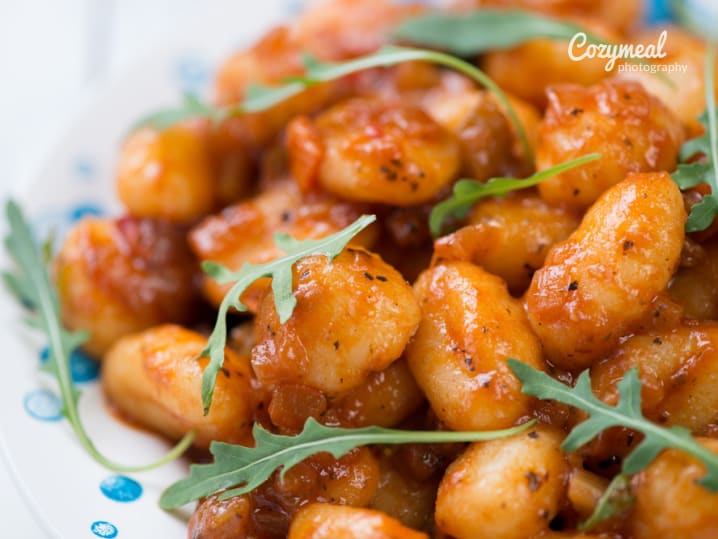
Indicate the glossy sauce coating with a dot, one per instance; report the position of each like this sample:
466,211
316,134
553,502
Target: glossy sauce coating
600,284
509,237
469,326
117,277
324,521
155,379
391,153
632,130
353,316
504,489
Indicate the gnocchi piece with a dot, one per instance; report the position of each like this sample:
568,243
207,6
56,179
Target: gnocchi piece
469,326
632,130
245,232
275,57
350,480
504,489
600,284
686,96
385,398
268,510
695,287
117,277
353,316
375,151
327,521
167,174
404,498
155,379
223,519
544,63
678,369
670,502
509,237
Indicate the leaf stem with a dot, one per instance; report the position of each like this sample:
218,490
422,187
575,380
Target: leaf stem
23,249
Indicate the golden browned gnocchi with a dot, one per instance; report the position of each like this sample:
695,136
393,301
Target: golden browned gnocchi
685,93
670,503
600,284
695,285
353,316
384,398
245,232
632,130
374,151
167,174
504,489
508,237
544,63
116,277
154,379
326,521
678,370
469,326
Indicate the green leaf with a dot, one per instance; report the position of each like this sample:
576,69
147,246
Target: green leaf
484,29
280,270
702,214
242,469
687,176
615,501
31,285
466,193
690,175
627,413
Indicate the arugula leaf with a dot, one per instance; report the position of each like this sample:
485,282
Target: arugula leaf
466,193
191,107
627,413
280,270
260,97
689,175
32,286
250,467
616,500
485,29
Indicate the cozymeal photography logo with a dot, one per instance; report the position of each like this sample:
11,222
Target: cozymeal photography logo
582,47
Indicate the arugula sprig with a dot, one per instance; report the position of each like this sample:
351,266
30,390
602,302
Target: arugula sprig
627,413
260,98
689,175
466,192
242,469
31,285
280,270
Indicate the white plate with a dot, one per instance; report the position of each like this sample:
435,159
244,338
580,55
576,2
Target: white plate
71,496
